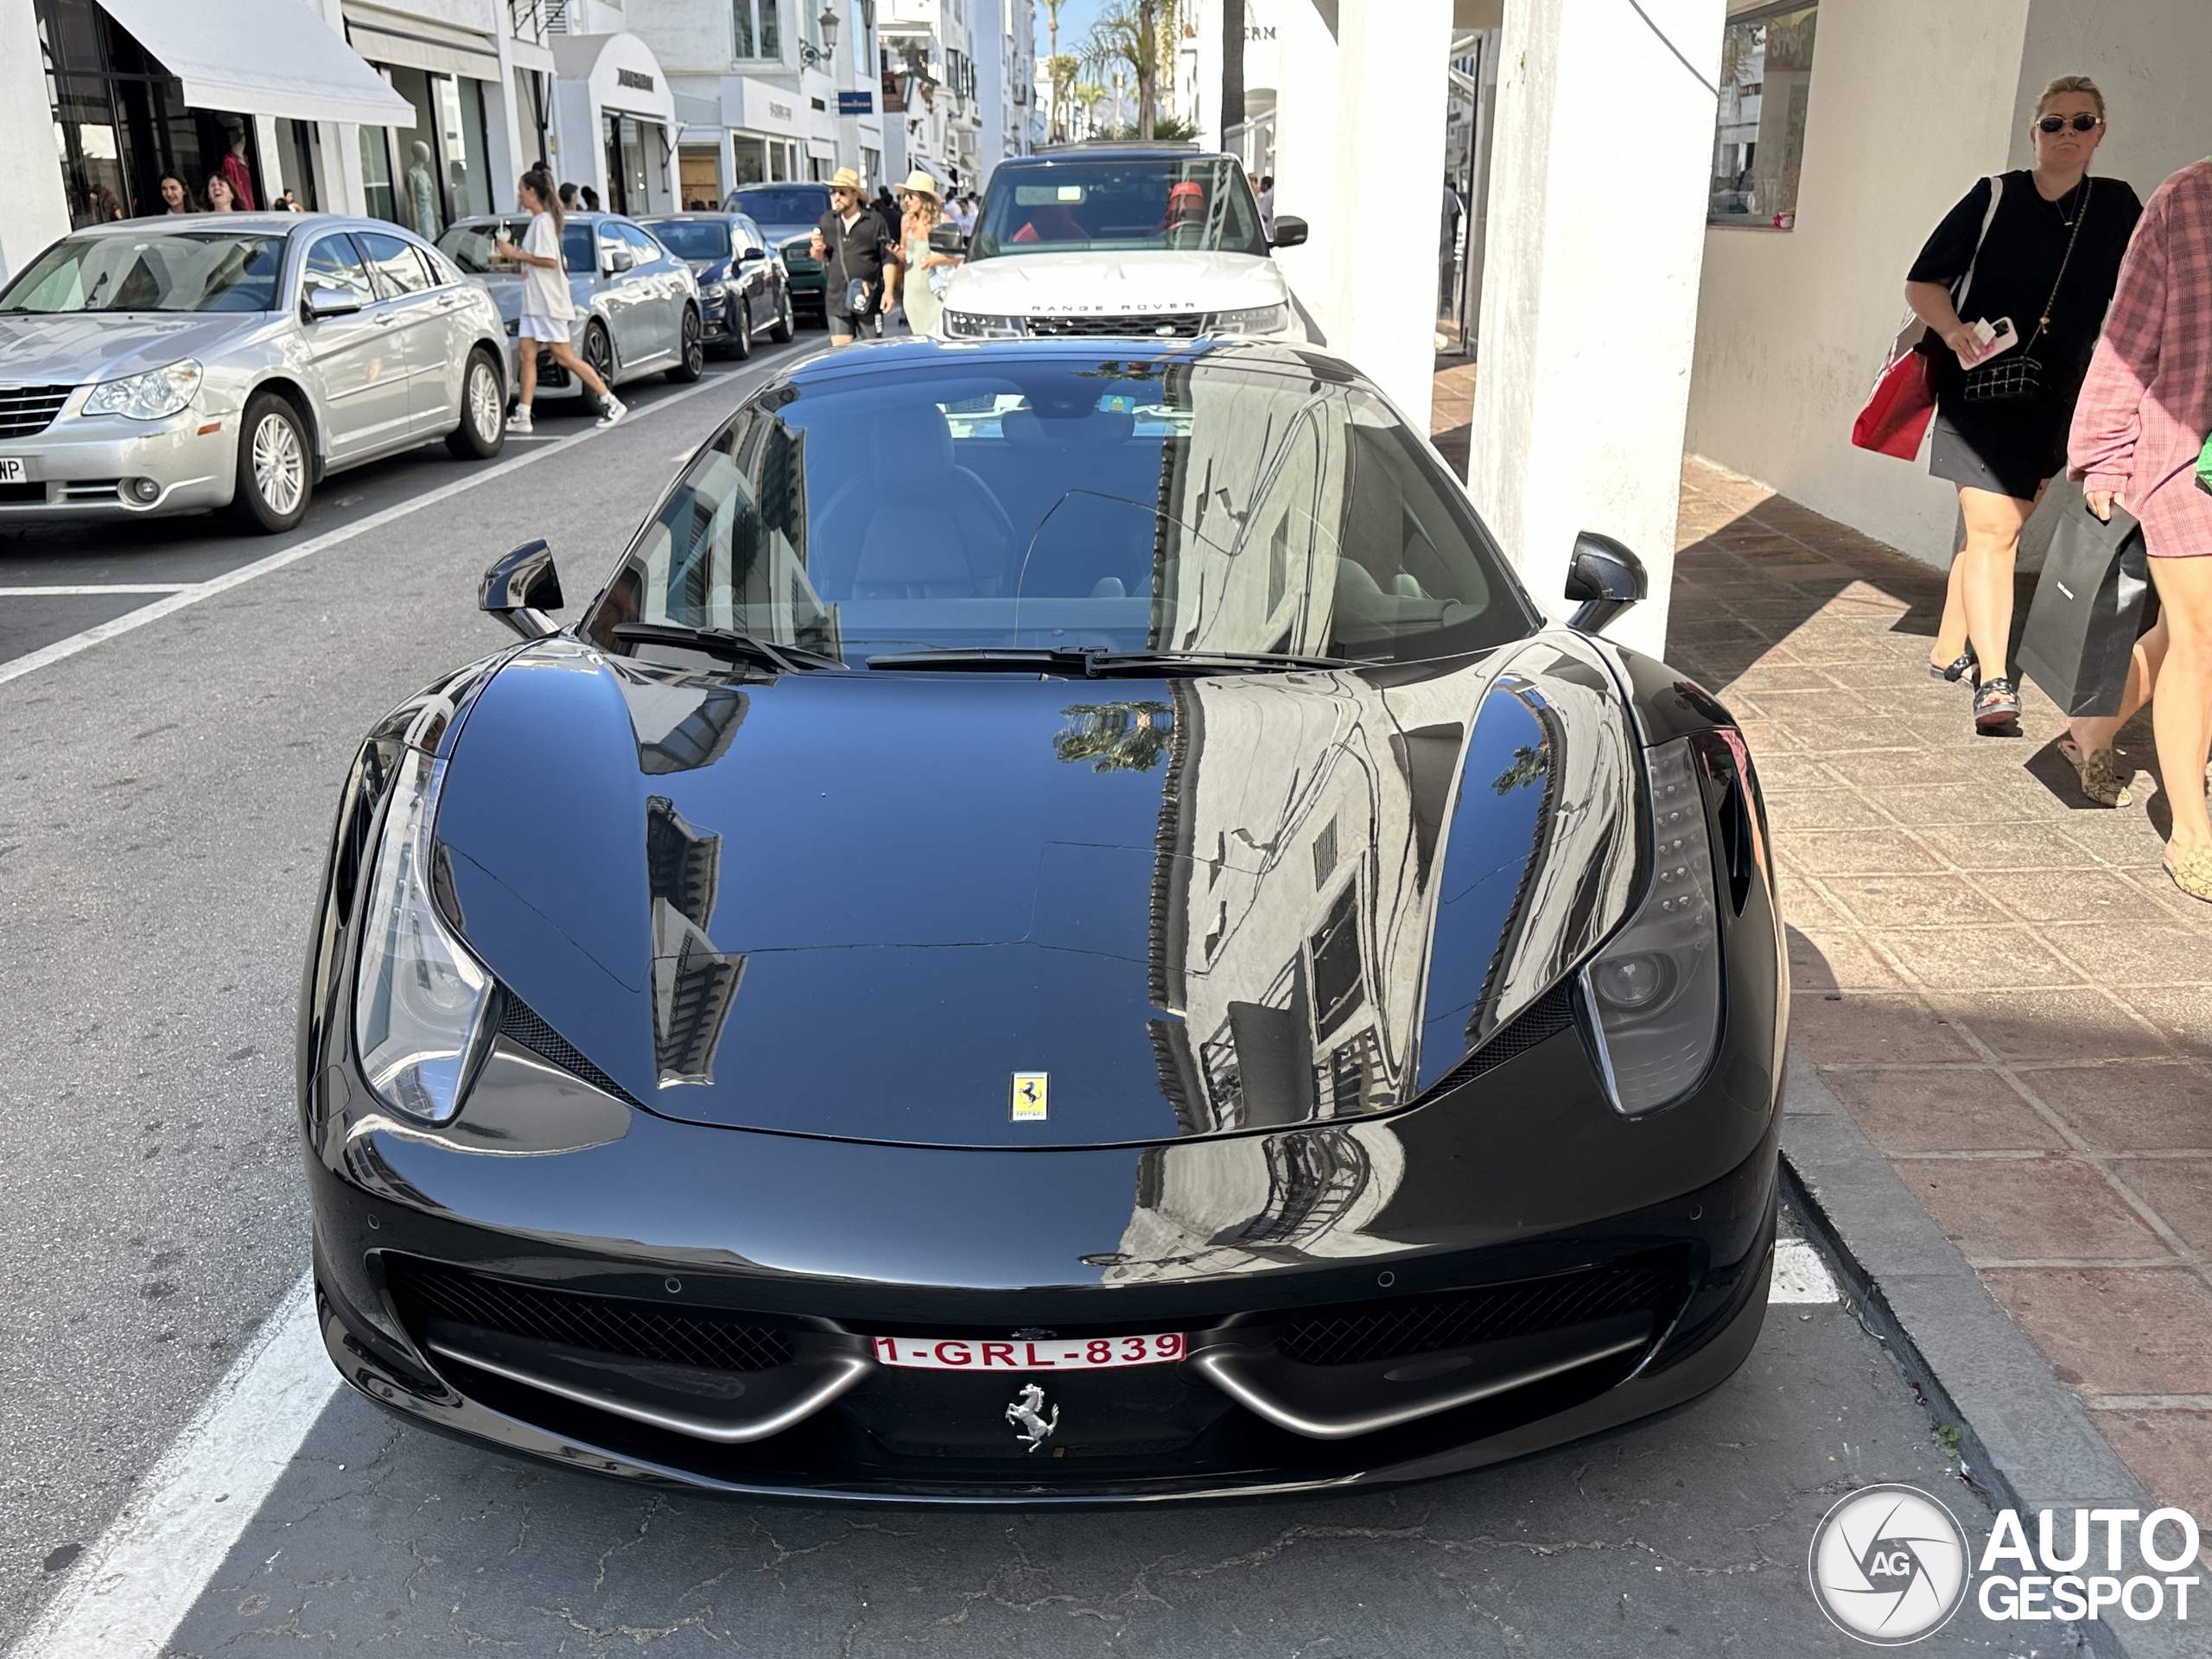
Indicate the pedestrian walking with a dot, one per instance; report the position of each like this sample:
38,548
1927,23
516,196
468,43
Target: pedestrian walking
854,247
923,272
176,196
567,198
1268,206
221,198
2137,432
590,196
2044,255
547,307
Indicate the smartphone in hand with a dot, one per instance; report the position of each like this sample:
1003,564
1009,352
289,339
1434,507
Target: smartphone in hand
1996,338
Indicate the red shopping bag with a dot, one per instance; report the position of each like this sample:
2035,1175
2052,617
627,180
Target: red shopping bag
1896,417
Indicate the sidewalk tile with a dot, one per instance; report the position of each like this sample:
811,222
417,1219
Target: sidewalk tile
1913,901
2022,847
2171,1452
1837,962
2138,954
2114,1330
2183,1013
2132,1107
2030,1209
1974,958
2056,1025
1855,851
1880,1027
1952,1109
1824,809
2180,1191
2071,895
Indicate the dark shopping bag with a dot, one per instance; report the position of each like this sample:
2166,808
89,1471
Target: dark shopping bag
2088,612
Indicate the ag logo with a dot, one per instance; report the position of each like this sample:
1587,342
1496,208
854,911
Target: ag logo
1888,1565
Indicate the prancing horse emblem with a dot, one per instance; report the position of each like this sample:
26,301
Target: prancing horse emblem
1027,1415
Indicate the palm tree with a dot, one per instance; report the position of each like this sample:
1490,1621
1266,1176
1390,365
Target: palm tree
1088,95
1052,58
1139,36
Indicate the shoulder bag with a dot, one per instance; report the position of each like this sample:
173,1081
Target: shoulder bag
1896,416
2018,377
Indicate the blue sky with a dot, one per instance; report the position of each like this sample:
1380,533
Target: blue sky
1076,17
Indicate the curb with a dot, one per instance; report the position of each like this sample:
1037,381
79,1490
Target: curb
2024,1434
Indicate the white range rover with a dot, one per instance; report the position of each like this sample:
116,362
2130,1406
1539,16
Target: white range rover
1120,241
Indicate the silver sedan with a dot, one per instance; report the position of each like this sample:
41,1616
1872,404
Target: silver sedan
162,366
638,307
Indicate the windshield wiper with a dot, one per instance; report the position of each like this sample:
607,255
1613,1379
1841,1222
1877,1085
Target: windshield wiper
728,642
1096,663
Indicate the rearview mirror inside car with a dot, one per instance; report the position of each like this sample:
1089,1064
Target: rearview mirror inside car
332,302
1605,577
946,238
521,588
1290,231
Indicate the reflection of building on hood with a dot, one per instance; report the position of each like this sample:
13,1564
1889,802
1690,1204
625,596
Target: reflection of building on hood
694,984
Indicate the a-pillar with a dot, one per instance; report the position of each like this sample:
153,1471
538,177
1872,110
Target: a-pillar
37,211
1595,242
1359,155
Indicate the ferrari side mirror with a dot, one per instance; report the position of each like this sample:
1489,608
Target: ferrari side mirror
1605,578
521,588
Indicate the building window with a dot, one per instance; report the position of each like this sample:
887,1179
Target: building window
1758,146
760,34
436,170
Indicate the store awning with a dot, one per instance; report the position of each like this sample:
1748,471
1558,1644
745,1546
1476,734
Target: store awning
261,57
399,37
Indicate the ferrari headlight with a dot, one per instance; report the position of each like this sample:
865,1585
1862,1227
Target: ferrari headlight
419,997
1655,990
1256,320
979,325
148,397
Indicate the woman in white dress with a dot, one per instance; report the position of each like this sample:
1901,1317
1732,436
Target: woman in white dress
547,308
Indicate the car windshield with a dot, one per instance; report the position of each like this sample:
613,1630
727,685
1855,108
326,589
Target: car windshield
1199,203
164,270
468,245
692,238
1195,503
785,204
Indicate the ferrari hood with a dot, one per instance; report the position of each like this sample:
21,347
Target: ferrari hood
995,909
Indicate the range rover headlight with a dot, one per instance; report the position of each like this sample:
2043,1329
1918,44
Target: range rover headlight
979,325
1656,989
420,996
1255,319
153,396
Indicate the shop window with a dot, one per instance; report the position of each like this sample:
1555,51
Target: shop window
1759,147
462,136
699,172
759,30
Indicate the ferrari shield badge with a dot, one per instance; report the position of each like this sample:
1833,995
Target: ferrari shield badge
1031,1426
1032,1096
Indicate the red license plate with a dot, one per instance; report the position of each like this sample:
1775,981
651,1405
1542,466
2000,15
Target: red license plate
1046,1354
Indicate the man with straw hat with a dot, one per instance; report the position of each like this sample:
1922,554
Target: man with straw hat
854,246
922,207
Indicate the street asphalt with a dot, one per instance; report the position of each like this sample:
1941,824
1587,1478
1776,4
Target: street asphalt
165,796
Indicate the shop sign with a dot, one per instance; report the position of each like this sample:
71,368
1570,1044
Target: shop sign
859,103
633,79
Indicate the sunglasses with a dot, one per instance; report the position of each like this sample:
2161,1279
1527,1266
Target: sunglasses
2083,123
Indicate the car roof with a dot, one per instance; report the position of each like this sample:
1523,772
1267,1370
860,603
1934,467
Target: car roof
1180,151
931,354
261,223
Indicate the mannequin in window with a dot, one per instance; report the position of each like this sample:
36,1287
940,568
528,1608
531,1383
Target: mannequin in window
234,168
422,194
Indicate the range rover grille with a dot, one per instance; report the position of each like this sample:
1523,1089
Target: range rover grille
605,1324
1165,325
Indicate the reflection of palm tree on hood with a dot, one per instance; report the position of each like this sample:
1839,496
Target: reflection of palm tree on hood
1129,736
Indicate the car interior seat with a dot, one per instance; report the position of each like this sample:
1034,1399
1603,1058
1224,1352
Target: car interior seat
909,522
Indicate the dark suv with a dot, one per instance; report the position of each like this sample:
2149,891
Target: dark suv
787,214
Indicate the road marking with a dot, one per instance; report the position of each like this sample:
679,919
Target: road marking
126,1596
1799,1275
31,662
96,587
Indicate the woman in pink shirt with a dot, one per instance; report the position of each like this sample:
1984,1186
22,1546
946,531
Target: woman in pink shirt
2138,429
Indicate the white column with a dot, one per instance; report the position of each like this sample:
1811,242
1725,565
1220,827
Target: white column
345,192
1307,155
34,209
1589,310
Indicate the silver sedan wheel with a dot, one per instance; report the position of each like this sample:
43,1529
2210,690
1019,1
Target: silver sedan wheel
280,467
484,412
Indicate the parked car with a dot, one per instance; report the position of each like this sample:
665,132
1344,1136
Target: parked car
638,309
1153,973
787,214
1162,241
743,288
175,364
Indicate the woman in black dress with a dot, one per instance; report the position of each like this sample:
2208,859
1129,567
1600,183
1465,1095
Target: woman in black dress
2049,263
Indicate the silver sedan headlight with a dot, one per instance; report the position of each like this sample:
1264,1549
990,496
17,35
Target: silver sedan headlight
1255,319
152,395
420,996
977,325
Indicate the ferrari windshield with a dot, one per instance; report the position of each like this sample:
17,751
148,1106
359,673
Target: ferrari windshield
159,270
1195,503
1182,204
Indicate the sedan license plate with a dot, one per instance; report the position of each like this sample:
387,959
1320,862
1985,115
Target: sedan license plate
14,471
1045,1354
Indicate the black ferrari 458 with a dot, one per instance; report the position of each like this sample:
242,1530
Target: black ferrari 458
1060,931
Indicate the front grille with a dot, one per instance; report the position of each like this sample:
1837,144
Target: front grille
1428,1324
1176,325
90,489
604,1325
26,409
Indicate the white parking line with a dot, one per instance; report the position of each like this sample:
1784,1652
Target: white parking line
96,587
31,662
127,1594
1799,1275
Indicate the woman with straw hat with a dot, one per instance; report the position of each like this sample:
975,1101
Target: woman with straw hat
921,208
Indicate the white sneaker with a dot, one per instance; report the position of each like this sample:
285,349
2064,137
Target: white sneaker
520,421
611,410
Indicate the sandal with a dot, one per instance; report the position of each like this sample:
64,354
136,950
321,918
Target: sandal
1996,705
2102,778
1957,671
2193,874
